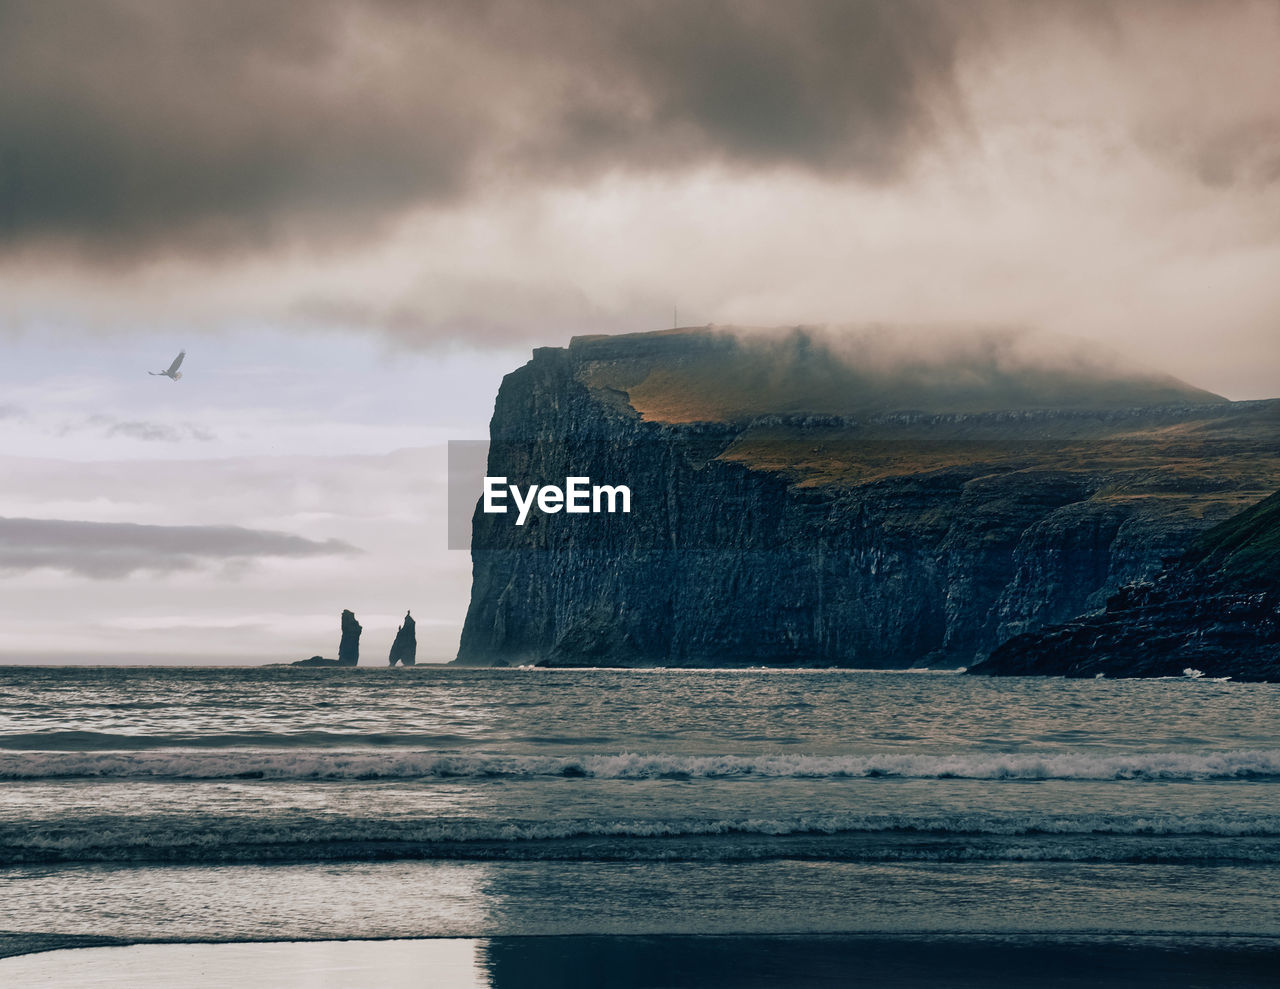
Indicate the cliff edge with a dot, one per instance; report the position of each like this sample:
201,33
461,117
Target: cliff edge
803,498
1215,612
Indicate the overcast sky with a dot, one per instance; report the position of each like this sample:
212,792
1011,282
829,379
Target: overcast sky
356,216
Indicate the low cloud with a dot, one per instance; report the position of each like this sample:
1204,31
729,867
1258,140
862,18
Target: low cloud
739,374
159,432
105,550
138,429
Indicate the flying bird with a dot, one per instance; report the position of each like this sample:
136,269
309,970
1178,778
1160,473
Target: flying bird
172,371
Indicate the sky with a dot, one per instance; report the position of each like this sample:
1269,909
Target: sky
357,216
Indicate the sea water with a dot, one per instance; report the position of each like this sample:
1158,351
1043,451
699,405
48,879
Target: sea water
276,803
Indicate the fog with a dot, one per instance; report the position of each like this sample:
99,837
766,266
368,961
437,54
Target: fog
871,369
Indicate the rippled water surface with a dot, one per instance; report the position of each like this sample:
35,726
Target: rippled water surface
259,803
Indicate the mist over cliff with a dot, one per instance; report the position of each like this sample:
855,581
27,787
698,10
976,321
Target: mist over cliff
737,373
868,497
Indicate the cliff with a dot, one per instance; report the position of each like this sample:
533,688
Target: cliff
794,504
1215,612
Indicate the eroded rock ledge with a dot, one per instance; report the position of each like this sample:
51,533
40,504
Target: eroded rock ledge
1215,613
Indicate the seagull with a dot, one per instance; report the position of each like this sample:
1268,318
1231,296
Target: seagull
172,371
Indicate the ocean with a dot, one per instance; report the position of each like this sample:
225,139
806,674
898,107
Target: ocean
543,814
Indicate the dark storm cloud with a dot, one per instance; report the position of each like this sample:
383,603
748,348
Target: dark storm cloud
1245,154
128,125
104,550
833,86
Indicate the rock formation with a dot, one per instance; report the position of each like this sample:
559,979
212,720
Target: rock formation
404,649
315,661
1214,612
792,508
349,647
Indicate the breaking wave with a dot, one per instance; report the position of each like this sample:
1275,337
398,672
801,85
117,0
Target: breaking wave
1201,839
401,764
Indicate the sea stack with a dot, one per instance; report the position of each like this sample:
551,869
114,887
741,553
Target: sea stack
349,647
405,647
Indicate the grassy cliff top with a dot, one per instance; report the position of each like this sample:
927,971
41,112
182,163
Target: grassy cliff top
731,374
830,408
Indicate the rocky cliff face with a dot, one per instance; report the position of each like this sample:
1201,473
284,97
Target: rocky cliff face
1215,612
852,536
349,646
404,648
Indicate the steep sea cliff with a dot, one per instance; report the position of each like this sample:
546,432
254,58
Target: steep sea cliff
1214,612
792,507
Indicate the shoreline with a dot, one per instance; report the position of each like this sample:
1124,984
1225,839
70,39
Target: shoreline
674,961
19,944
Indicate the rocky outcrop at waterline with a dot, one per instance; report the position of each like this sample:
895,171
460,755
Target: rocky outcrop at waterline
793,506
1215,612
404,649
315,661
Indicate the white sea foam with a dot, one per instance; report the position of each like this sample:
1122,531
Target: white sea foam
834,837
372,764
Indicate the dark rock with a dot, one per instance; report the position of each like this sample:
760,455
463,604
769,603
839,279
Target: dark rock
1214,612
349,647
838,536
316,661
405,647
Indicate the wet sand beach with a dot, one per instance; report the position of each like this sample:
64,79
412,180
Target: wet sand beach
673,962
